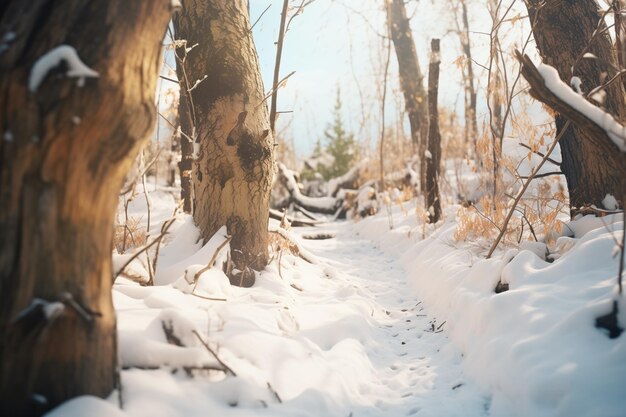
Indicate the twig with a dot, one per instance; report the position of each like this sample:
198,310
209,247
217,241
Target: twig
132,183
260,16
145,248
279,52
273,391
275,214
295,247
147,197
545,174
532,175
301,7
227,369
382,119
623,249
169,79
156,253
280,83
196,276
552,161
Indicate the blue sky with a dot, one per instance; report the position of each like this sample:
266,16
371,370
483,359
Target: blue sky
338,43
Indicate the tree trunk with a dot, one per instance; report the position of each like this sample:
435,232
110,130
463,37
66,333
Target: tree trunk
471,124
67,144
619,8
433,159
411,78
186,115
596,133
562,39
233,171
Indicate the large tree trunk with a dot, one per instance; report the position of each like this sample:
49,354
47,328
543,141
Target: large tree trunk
233,171
561,39
411,78
433,160
67,145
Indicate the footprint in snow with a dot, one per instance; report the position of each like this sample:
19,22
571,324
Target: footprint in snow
287,322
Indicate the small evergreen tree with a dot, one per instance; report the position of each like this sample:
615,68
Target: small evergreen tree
339,143
313,164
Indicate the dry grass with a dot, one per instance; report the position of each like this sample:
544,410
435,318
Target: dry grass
129,235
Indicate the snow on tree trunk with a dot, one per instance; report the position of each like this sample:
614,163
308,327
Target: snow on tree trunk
562,39
72,140
233,170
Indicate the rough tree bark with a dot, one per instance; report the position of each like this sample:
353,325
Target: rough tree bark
411,77
433,159
594,132
233,171
619,8
66,146
562,39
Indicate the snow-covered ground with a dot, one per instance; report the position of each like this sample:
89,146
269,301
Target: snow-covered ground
534,348
378,323
344,336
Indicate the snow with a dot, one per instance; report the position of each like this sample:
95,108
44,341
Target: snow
615,131
178,256
87,406
534,347
610,202
599,96
9,37
334,184
341,336
50,309
374,323
353,340
322,203
53,58
197,83
576,82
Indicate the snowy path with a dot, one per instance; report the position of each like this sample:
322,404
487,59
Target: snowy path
417,370
344,337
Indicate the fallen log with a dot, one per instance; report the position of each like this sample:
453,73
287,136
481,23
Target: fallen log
277,215
323,205
348,180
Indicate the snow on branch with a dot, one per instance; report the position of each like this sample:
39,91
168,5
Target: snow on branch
548,88
326,205
53,58
346,180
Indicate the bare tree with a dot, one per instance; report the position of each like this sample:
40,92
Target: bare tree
233,168
433,152
186,111
494,90
77,102
463,31
411,77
